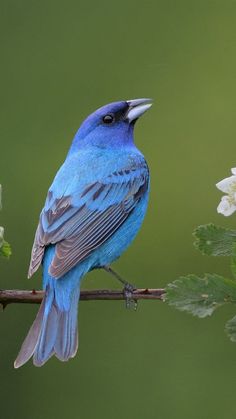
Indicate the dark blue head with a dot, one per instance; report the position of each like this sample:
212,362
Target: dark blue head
110,126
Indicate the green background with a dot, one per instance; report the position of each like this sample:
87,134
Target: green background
60,60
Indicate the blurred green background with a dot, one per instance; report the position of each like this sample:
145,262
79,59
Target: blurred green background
60,60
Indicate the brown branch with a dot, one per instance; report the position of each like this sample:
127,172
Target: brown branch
35,297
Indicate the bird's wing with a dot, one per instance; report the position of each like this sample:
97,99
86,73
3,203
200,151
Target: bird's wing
80,223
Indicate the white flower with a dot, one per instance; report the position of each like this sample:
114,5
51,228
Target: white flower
227,205
1,236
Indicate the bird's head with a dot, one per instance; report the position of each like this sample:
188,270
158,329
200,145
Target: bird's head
112,125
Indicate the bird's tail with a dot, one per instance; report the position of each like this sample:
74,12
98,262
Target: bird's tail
54,331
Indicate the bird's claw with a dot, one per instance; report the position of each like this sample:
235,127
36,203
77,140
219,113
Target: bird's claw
130,302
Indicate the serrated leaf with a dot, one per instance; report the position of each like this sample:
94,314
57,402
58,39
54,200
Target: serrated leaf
213,240
200,296
230,329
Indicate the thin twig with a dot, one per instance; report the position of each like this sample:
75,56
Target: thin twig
35,297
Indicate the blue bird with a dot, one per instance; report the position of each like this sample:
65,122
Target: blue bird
93,210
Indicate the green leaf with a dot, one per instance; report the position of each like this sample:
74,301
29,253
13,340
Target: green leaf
230,329
213,240
200,296
5,249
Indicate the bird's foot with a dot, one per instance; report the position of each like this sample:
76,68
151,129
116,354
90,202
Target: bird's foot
128,289
130,302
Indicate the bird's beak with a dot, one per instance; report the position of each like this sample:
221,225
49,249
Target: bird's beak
137,107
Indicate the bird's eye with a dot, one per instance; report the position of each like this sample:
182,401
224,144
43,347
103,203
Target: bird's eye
108,119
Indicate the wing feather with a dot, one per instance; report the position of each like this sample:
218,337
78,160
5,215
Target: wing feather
101,208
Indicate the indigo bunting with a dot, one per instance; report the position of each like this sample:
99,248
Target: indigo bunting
93,210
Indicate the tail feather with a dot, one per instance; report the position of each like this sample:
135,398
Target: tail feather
45,344
66,344
30,342
53,332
